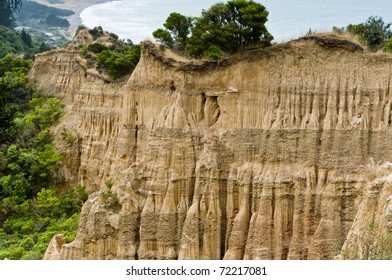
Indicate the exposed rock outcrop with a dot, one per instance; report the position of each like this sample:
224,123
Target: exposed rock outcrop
258,156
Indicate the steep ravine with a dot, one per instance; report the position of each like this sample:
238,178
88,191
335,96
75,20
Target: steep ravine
270,154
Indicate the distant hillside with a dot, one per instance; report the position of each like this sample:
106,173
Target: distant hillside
33,11
46,24
13,42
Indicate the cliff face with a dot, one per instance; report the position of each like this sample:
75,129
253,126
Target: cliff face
266,155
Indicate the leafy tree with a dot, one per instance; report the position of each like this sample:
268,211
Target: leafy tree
7,10
29,227
222,28
97,47
118,59
116,65
119,62
388,46
374,32
26,38
10,42
250,18
164,37
15,93
32,210
179,27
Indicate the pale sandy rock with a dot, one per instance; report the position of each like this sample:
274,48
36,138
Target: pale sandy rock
54,248
258,156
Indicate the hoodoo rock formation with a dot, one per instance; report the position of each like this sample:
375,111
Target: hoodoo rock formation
279,153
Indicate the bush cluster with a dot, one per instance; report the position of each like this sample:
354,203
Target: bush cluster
32,208
223,28
117,61
373,33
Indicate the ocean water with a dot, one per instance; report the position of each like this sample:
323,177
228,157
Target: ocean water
288,19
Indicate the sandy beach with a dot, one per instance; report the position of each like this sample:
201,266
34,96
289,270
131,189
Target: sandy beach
75,5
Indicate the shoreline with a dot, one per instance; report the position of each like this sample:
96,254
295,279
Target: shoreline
77,6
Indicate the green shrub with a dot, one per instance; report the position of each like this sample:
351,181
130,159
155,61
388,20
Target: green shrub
110,199
32,208
213,53
223,28
115,64
388,46
96,32
97,47
373,33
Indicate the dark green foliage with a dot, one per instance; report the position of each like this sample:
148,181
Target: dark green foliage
31,209
14,65
7,17
43,47
373,33
15,93
53,20
120,61
96,32
30,164
116,65
223,28
213,52
97,48
117,60
12,42
110,199
30,226
28,170
164,37
26,38
180,27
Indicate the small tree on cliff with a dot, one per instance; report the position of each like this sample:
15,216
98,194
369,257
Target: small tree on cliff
222,28
177,31
374,33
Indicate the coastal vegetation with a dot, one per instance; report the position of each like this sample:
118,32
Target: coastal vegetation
374,33
34,13
19,42
117,59
46,25
32,207
222,29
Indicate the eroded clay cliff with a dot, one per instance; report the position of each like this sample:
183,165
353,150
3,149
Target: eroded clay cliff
264,155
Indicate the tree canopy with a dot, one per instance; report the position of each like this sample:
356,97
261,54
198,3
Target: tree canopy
7,10
33,209
222,28
13,5
373,33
